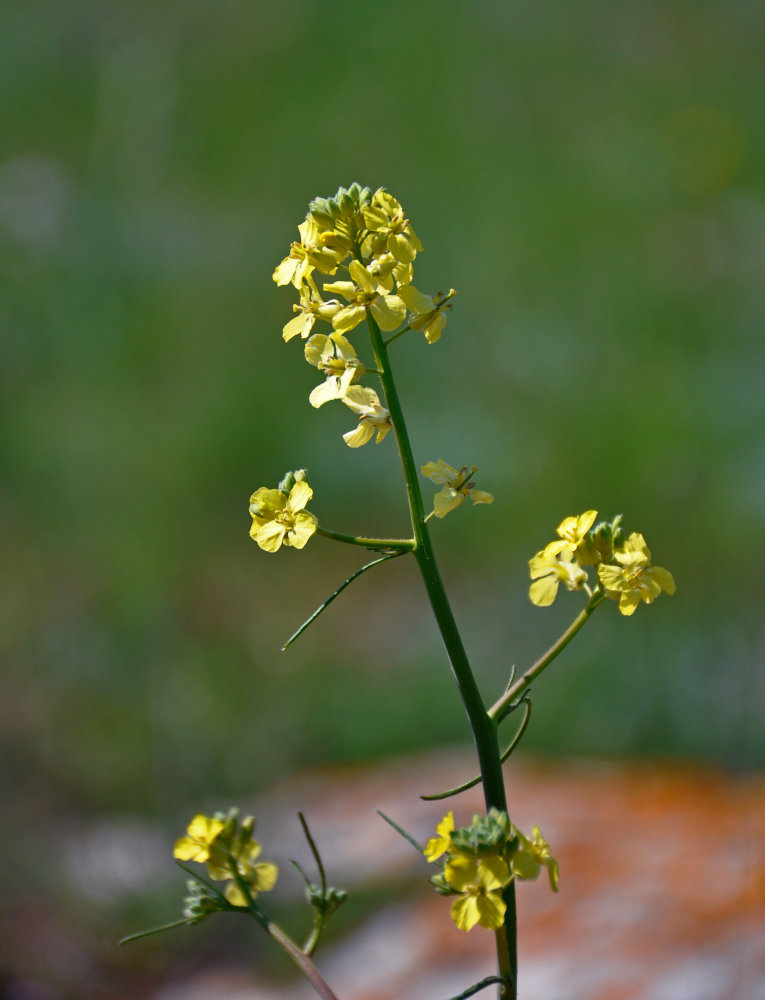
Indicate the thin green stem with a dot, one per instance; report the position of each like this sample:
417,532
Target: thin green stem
346,583
458,789
515,690
398,544
399,333
482,725
283,939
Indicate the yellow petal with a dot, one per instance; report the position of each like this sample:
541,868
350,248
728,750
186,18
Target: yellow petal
543,592
464,912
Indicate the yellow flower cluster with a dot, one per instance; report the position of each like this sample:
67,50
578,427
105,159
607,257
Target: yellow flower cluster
367,236
480,861
623,565
279,516
230,852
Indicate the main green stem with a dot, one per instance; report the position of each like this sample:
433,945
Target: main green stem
484,728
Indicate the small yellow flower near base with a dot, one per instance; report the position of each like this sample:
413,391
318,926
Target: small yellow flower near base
260,877
200,834
480,885
441,843
531,855
634,579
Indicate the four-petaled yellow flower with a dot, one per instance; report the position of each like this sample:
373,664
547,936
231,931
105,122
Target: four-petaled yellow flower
456,486
200,835
306,255
259,876
310,308
279,518
480,884
372,416
573,531
531,855
389,228
634,579
337,359
547,572
442,841
427,314
365,292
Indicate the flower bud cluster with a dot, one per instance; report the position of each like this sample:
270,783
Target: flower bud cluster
480,861
199,903
366,236
230,851
623,564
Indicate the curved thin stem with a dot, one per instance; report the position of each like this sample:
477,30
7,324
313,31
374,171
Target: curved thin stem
504,704
322,607
506,753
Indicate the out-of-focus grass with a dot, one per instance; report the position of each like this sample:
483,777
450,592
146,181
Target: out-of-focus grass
588,177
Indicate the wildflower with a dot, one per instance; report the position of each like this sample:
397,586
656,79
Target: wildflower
456,486
310,308
365,292
258,876
306,255
547,572
480,884
389,228
337,359
372,416
279,517
200,835
441,843
530,856
634,579
573,533
427,314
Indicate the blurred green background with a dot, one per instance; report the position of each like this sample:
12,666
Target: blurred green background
588,176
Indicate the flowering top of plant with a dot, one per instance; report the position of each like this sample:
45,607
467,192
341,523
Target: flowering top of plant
480,861
623,566
367,237
231,853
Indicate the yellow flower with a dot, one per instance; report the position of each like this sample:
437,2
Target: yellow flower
278,517
337,359
573,531
480,884
365,292
427,314
259,878
237,854
389,229
441,843
306,255
372,416
547,572
310,308
634,579
200,834
456,486
530,856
